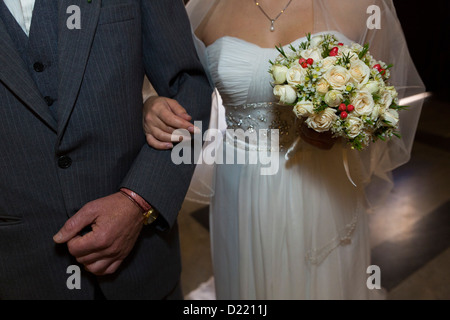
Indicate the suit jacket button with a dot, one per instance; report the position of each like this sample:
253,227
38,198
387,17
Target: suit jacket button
64,162
49,100
38,67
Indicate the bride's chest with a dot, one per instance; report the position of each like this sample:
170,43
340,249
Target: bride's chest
240,70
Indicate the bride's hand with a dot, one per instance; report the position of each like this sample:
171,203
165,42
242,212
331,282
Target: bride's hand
321,140
161,117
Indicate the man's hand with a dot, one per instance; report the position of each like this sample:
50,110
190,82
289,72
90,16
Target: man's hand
116,223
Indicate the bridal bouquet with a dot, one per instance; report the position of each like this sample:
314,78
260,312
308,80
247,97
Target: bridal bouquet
338,88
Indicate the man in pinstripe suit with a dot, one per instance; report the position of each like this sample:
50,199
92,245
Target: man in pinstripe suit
77,179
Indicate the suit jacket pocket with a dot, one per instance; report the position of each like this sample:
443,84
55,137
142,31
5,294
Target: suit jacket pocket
117,13
9,220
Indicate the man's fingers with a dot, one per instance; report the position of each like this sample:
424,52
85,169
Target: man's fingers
103,267
73,227
81,246
99,267
113,267
91,258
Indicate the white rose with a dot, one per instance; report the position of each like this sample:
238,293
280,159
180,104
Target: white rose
285,93
322,86
333,98
363,103
357,47
337,77
328,62
313,53
377,110
388,95
316,41
279,73
392,91
322,121
303,109
360,72
354,126
371,86
391,116
295,75
291,54
386,99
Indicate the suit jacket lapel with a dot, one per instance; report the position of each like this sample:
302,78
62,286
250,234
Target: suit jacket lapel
73,51
14,74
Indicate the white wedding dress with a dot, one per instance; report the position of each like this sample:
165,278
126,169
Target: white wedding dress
301,233
298,234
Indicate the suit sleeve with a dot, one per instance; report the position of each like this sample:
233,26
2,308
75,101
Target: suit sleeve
174,69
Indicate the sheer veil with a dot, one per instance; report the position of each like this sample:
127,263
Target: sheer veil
201,188
387,43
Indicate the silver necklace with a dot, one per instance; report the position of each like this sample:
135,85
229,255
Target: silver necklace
272,21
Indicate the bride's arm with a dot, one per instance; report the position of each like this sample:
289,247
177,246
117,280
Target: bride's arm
162,116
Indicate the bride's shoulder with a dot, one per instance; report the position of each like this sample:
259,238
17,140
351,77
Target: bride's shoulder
206,30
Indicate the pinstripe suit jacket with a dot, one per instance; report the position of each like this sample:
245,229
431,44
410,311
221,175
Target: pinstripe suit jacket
99,126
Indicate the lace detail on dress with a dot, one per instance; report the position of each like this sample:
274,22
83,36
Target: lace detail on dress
316,256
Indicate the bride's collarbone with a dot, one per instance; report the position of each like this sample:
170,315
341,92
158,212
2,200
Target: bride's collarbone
260,35
252,26
269,41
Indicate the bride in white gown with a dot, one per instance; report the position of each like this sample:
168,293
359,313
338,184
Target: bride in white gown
301,233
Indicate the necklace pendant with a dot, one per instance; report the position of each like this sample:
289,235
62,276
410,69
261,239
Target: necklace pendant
272,26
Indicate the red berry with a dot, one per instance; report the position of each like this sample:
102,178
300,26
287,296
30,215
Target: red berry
344,115
378,67
342,107
383,72
340,44
350,108
310,61
304,65
301,61
334,52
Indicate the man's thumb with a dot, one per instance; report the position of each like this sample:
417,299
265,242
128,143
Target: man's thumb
72,227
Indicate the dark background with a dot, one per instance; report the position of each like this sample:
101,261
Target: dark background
426,27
